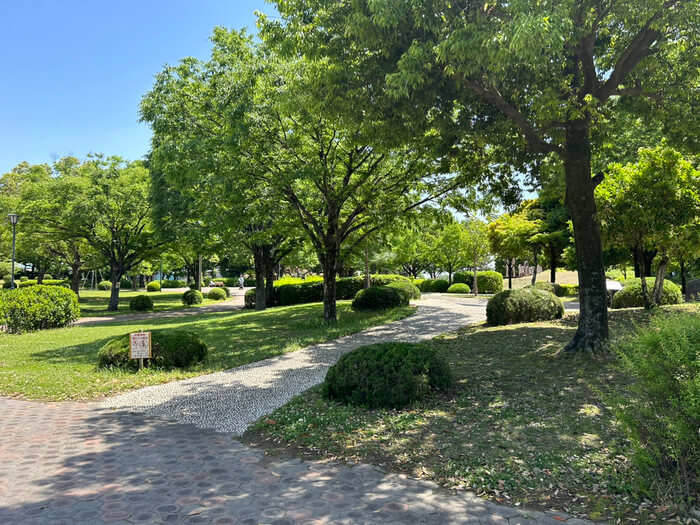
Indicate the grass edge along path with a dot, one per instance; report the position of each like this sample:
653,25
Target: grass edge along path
519,428
57,365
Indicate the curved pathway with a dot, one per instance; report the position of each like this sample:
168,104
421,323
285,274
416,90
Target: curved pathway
232,400
84,463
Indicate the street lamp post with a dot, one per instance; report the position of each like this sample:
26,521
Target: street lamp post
13,220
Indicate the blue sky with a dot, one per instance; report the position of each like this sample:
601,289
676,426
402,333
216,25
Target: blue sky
74,71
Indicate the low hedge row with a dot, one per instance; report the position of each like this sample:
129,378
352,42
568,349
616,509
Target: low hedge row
173,284
380,298
311,290
32,282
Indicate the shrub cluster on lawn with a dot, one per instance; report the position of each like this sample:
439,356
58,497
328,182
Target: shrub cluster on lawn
660,410
191,297
169,348
104,285
487,281
153,286
126,283
141,303
291,291
409,290
569,289
379,298
523,306
390,375
38,307
173,284
33,282
631,294
217,294
459,288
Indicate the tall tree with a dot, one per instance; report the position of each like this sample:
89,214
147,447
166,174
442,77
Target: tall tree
448,249
652,204
476,247
532,79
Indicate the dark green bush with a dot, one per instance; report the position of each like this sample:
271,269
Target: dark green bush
217,294
226,290
300,293
523,306
169,348
104,285
32,282
141,303
660,409
409,290
631,295
126,283
38,307
379,298
487,281
23,279
391,375
192,285
554,288
249,298
459,288
569,289
48,276
153,286
174,284
191,297
439,285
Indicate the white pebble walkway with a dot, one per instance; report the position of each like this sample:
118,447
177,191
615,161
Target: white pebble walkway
233,399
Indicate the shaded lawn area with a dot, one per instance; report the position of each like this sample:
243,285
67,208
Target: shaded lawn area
61,364
520,427
93,303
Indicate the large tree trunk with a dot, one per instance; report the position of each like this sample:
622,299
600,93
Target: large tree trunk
330,269
75,278
509,271
681,262
269,276
657,295
260,293
115,275
592,333
641,265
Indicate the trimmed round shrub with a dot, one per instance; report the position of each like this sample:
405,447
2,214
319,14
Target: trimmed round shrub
126,283
391,375
104,285
409,290
48,276
153,286
249,298
489,282
631,295
439,285
379,298
38,307
523,306
226,291
23,279
217,294
141,303
459,288
192,285
169,348
191,297
554,288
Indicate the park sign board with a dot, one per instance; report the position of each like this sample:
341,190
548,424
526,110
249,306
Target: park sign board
140,345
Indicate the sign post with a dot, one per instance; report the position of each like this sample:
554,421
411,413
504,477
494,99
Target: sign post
140,346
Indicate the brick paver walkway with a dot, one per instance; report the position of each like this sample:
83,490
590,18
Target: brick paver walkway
84,463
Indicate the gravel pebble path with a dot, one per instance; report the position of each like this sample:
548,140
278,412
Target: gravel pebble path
232,400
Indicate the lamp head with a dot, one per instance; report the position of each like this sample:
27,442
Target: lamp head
13,218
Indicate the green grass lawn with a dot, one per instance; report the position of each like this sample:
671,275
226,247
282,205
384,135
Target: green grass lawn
520,427
93,303
61,364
